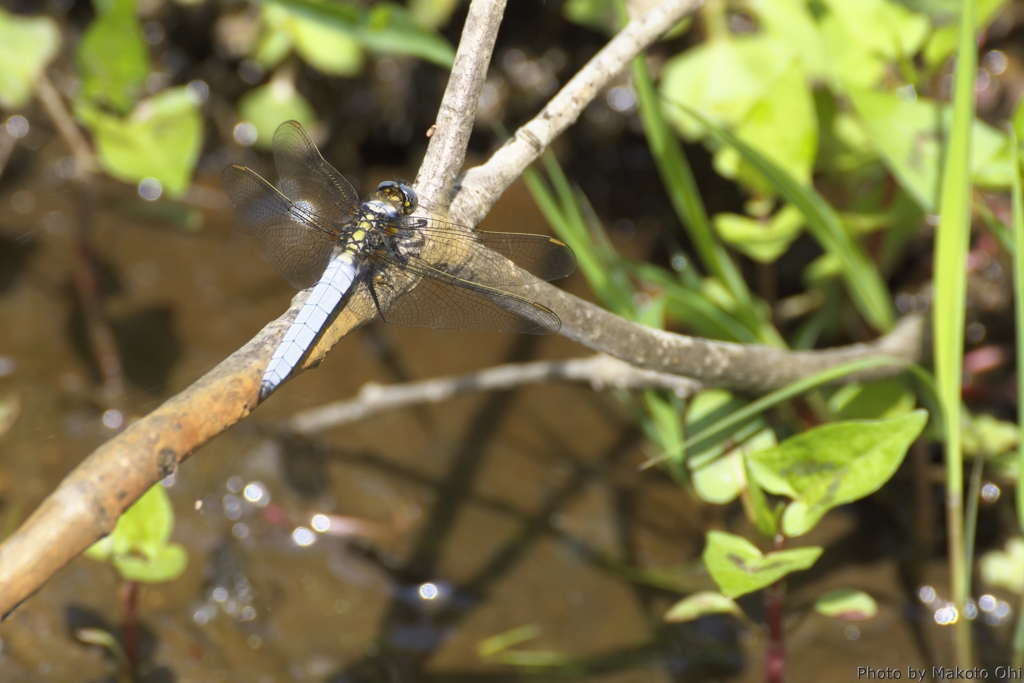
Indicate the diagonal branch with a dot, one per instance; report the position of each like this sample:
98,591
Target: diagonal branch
481,187
86,505
447,149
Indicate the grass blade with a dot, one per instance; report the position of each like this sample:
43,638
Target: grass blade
951,244
678,178
863,280
1018,284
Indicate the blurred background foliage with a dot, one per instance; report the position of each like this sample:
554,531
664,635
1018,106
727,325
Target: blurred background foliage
768,173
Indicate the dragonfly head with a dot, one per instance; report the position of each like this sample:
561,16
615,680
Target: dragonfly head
399,195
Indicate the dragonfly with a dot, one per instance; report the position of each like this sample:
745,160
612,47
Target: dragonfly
380,259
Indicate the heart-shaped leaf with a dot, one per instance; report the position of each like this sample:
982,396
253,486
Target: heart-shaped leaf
138,546
113,56
833,465
160,139
738,567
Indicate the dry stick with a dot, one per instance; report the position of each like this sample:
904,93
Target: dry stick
52,101
455,117
600,372
86,505
102,343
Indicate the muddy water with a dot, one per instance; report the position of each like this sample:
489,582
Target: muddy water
486,514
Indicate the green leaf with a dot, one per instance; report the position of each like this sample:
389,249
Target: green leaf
165,564
724,79
866,36
721,480
710,407
791,22
721,425
782,126
908,135
762,241
599,15
864,282
847,604
138,545
325,46
677,177
1005,568
872,401
755,503
160,139
113,57
390,30
942,43
269,105
27,45
738,567
689,307
503,641
432,13
986,436
384,27
833,465
663,424
699,605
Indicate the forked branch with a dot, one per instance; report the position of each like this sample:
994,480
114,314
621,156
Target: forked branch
86,505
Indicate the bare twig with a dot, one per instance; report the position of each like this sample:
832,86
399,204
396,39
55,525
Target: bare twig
86,505
600,372
67,128
6,147
750,368
447,149
481,186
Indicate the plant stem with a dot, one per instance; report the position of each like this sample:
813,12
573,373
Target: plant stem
775,654
129,595
775,606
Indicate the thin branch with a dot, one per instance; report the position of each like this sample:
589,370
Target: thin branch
600,372
457,113
481,186
87,503
52,101
748,368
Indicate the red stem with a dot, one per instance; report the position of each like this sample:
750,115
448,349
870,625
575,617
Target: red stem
129,594
775,606
775,655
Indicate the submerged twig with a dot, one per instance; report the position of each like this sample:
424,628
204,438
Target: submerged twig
600,372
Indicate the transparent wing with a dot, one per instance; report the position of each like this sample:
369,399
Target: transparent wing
545,257
304,176
441,301
296,241
481,256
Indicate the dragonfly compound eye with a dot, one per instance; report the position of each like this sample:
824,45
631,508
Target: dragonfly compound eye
399,195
